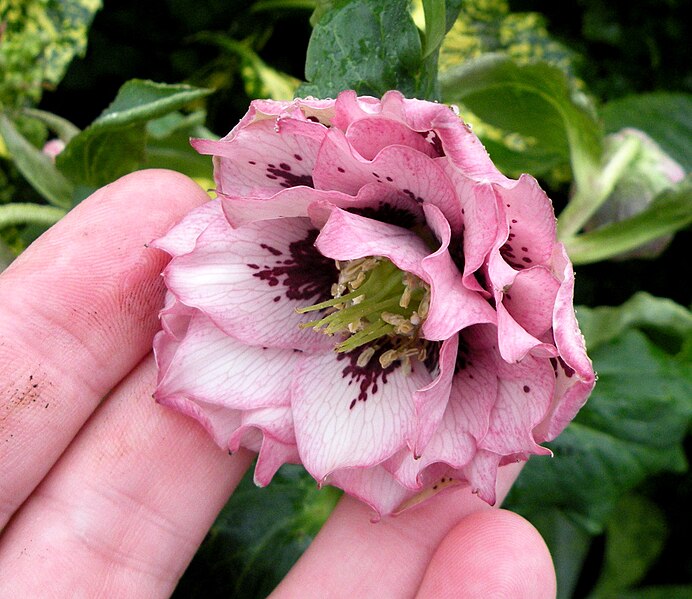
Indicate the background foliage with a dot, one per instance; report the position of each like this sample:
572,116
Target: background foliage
543,84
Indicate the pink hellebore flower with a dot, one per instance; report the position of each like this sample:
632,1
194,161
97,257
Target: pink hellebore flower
370,297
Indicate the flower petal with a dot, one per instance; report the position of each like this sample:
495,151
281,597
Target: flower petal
473,393
250,280
481,472
264,156
524,395
374,486
181,238
369,136
376,199
210,366
530,300
277,446
347,236
452,306
574,373
341,168
349,416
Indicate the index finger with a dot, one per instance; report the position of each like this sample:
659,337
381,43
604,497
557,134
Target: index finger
79,312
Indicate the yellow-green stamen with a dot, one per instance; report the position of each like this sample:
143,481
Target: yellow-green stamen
373,300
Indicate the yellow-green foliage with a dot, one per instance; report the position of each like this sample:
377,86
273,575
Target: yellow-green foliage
38,40
488,26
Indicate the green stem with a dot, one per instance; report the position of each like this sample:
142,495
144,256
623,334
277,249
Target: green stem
594,189
19,214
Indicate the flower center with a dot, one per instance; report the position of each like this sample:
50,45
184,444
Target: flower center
375,304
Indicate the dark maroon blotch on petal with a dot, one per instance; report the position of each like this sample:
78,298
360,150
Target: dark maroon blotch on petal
307,275
367,376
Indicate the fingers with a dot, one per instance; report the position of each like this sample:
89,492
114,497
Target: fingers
362,559
493,553
124,509
79,312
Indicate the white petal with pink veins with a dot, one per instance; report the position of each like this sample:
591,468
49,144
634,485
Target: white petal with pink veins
466,419
250,280
350,416
211,366
431,401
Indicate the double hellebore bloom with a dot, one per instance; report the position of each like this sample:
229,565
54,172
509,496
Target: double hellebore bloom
369,296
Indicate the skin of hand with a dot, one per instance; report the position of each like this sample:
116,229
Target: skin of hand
104,493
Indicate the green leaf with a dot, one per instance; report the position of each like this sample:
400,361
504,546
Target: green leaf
63,128
659,592
569,545
666,117
115,143
636,533
168,145
40,40
16,213
536,100
261,80
435,25
668,213
488,26
370,46
35,166
631,428
661,317
258,536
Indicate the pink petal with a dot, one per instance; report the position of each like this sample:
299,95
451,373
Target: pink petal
264,156
466,418
481,473
347,416
341,168
531,298
385,203
574,373
431,401
210,366
481,221
175,317
369,136
452,306
347,236
446,132
524,395
373,486
514,342
277,446
181,238
531,221
250,280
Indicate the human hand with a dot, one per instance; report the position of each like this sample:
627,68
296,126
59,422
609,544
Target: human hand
112,498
